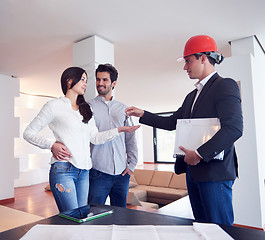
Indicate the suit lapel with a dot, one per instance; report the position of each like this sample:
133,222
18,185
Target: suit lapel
190,103
203,93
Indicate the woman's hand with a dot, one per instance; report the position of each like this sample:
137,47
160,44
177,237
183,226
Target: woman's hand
60,152
128,129
134,111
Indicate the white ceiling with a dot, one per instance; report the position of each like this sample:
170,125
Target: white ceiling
148,35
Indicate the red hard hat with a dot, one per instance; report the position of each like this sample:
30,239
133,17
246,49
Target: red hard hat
198,44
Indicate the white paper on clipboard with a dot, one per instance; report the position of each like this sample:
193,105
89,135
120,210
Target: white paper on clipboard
192,133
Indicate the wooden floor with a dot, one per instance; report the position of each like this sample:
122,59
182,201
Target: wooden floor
35,200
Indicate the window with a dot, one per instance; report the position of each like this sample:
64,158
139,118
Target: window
164,141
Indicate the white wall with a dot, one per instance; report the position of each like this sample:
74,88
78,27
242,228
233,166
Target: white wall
247,66
9,129
33,161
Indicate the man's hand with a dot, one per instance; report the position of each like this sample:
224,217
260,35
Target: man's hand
60,152
128,129
127,170
133,111
191,157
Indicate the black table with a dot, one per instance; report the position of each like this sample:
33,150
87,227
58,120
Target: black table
124,216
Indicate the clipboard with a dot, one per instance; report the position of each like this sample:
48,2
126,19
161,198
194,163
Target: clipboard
85,213
192,133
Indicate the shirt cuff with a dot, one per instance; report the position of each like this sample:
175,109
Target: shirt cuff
198,154
51,144
131,168
116,132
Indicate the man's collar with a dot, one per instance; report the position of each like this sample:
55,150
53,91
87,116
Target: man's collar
102,98
200,84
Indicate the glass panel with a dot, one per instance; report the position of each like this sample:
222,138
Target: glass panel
164,144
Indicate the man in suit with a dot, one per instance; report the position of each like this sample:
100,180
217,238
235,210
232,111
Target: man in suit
212,168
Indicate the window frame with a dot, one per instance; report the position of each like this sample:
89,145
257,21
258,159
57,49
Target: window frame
155,141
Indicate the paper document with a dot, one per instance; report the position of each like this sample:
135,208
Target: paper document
192,133
129,232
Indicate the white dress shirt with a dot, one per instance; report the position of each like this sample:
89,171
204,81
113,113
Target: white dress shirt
199,85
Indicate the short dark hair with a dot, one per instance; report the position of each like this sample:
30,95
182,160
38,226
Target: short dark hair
110,69
213,57
211,60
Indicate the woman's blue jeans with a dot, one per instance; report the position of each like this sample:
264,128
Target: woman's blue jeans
69,185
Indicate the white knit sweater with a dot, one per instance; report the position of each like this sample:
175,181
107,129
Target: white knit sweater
68,128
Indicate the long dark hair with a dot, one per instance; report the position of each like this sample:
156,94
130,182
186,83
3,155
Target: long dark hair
75,74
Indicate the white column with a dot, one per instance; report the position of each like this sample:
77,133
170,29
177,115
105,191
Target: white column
9,129
247,67
88,54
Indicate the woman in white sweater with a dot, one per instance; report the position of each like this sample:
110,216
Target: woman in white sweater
71,121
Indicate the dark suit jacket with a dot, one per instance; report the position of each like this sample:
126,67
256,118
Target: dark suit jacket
219,98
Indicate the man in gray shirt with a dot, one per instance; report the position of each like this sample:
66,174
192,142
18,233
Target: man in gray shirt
114,161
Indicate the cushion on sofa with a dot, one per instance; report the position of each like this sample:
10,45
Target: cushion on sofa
161,178
159,187
143,176
149,205
161,192
132,199
178,181
166,193
132,182
141,194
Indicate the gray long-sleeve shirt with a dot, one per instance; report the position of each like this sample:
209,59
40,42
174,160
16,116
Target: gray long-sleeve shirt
115,156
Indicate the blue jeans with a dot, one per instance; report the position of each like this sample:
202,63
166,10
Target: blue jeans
211,201
102,185
69,185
